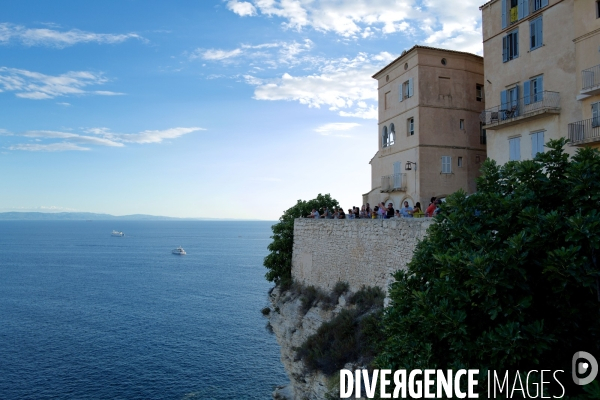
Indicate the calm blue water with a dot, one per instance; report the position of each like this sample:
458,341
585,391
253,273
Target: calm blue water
84,315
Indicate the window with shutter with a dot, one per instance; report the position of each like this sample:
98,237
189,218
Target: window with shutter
384,137
596,115
537,143
410,127
446,165
536,33
510,46
482,134
514,146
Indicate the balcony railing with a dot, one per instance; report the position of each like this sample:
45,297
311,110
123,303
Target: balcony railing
524,107
590,78
394,182
585,131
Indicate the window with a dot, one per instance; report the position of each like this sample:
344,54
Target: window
384,137
392,135
479,92
535,33
460,162
509,103
446,165
538,4
537,143
598,9
406,89
510,46
596,115
462,124
514,148
482,134
533,90
410,127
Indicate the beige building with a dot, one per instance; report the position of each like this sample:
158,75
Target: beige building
586,129
537,53
430,138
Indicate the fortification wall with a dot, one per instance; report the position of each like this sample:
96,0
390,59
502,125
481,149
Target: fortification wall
360,252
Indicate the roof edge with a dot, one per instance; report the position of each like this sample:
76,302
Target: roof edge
416,47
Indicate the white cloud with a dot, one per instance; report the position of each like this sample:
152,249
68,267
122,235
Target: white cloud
72,137
155,136
64,104
94,137
38,86
54,38
343,85
62,146
336,127
455,25
271,54
214,54
241,8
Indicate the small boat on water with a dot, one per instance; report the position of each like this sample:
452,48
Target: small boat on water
117,233
179,251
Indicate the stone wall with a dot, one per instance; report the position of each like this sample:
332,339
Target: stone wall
360,252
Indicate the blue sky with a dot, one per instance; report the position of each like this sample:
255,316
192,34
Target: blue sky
205,108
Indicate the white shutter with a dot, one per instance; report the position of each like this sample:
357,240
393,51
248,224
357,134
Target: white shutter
400,92
410,88
446,164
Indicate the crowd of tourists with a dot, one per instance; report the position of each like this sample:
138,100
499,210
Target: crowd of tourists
380,211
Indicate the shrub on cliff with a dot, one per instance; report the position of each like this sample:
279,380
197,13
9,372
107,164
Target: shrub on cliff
279,260
508,278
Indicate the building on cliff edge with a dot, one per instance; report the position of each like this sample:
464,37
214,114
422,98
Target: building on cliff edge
542,71
431,139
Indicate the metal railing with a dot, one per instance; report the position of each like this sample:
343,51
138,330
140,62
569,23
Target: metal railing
585,131
590,77
393,182
522,107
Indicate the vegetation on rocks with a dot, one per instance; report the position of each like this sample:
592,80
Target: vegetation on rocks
351,336
508,278
279,260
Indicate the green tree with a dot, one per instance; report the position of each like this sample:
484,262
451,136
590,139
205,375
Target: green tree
508,278
279,260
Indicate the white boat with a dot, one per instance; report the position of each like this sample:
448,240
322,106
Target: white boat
117,233
179,251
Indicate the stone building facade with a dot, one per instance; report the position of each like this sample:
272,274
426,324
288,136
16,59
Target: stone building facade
429,133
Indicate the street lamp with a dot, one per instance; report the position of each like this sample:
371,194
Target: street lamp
409,165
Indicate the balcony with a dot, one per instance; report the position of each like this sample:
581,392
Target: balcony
516,111
584,132
393,183
590,81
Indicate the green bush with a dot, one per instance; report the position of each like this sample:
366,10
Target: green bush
367,298
508,278
340,288
279,260
349,337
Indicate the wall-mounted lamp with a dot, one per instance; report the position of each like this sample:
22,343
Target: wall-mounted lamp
409,165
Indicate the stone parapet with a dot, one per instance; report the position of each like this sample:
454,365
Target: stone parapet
360,252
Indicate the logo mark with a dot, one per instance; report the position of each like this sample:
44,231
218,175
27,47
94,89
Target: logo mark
583,367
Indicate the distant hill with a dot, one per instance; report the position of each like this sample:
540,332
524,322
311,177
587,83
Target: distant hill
84,216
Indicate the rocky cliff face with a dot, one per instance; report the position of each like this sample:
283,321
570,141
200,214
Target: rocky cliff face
292,327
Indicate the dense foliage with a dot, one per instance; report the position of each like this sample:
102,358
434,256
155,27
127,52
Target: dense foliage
351,336
279,260
508,278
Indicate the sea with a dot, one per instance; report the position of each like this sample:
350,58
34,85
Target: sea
84,315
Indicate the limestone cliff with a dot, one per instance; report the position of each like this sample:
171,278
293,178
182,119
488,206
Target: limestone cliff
292,327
